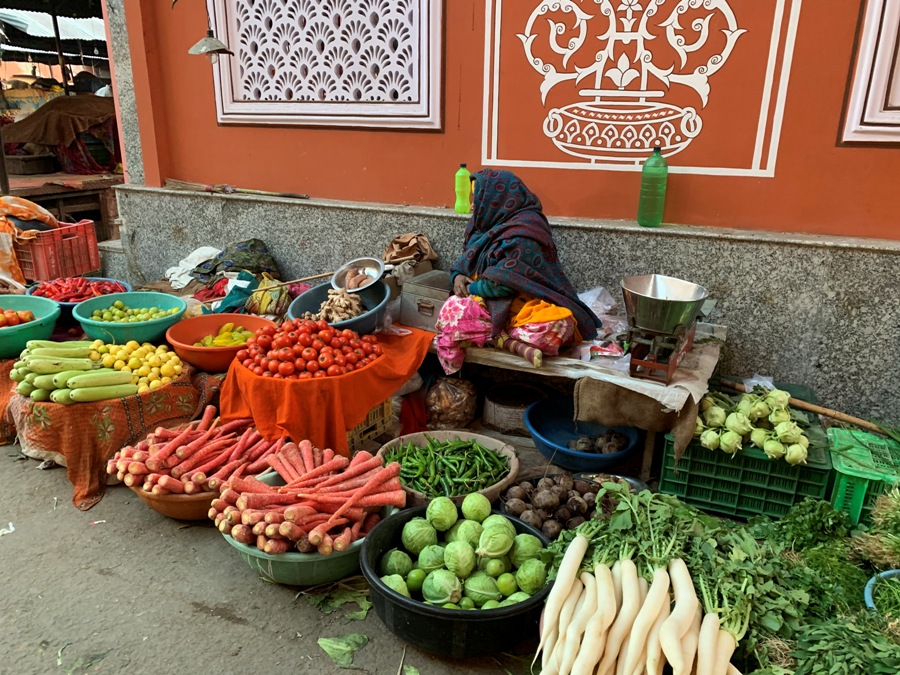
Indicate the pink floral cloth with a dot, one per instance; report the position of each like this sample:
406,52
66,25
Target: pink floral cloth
462,322
548,336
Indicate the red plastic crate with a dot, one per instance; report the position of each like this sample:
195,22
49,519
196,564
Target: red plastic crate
65,251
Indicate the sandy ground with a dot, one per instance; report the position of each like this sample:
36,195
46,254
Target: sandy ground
130,590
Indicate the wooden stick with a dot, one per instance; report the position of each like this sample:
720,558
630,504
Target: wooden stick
283,283
819,410
224,188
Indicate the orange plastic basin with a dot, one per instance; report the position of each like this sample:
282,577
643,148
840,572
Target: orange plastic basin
185,333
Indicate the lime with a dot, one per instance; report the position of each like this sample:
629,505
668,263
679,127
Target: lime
495,567
415,579
506,583
466,602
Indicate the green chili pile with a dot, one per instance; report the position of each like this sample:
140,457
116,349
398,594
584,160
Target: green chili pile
447,468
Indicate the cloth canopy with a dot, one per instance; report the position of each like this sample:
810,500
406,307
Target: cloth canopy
322,410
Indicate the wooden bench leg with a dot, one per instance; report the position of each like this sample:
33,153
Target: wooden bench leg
649,446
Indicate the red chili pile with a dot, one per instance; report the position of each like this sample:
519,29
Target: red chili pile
76,289
301,349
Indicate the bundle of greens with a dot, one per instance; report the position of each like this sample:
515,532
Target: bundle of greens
881,544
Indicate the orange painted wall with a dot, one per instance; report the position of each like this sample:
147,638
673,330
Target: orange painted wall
818,186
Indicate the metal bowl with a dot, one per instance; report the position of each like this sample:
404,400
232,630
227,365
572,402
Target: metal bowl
371,266
662,304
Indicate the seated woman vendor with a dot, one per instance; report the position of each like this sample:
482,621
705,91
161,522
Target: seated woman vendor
509,287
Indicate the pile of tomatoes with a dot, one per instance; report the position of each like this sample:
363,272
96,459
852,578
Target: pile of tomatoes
301,349
10,317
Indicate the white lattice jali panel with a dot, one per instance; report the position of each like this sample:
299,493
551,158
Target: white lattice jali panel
329,62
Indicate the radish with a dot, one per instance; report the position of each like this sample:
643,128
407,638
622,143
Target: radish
707,644
725,646
565,576
565,617
575,633
679,622
732,670
657,595
689,644
617,582
621,627
595,632
654,661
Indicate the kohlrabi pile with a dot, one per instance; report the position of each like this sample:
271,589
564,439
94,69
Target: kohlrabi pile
467,560
762,419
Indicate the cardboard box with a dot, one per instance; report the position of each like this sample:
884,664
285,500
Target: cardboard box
422,297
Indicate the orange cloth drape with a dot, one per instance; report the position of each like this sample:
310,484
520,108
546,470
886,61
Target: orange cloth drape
324,409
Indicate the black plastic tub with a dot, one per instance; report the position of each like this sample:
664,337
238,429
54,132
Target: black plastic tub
454,633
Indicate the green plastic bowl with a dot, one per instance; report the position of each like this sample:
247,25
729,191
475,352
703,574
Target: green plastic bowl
14,338
140,331
300,569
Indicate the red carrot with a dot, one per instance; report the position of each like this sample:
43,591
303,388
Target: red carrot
306,451
335,464
243,534
223,474
249,485
250,500
218,447
260,528
327,455
208,414
220,504
111,467
297,513
163,434
190,448
191,488
140,456
216,460
359,457
356,470
132,480
319,531
126,453
251,517
241,445
142,446
317,456
230,496
342,541
284,470
155,462
235,425
262,463
171,484
212,513
276,546
303,545
274,517
326,547
273,531
261,541
290,454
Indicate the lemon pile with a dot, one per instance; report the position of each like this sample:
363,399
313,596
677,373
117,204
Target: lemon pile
151,367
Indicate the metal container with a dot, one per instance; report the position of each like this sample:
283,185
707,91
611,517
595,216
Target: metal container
371,266
422,297
662,304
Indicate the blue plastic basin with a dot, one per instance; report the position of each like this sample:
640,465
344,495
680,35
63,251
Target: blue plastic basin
551,425
374,299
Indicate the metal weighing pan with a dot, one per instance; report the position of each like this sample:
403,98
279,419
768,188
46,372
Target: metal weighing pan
662,304
371,266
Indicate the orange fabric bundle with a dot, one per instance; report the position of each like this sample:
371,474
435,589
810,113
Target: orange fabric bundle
322,410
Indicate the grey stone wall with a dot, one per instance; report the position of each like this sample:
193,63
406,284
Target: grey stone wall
121,58
818,311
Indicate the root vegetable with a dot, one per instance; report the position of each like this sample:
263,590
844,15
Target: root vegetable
516,492
581,486
575,597
515,507
243,534
551,529
595,631
725,646
707,644
575,633
629,608
686,603
572,523
532,518
545,484
689,644
657,595
654,661
545,499
565,578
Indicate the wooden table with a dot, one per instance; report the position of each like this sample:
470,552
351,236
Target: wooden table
70,197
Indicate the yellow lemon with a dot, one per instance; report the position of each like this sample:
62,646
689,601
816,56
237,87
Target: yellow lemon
147,345
144,370
134,363
177,369
163,348
119,364
166,380
142,388
103,349
108,360
122,355
125,369
132,345
154,361
167,370
153,377
94,355
155,384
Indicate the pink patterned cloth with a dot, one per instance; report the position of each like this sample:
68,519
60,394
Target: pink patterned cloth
548,336
462,322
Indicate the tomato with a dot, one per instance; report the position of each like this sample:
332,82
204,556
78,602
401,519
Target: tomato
305,375
292,336
326,335
312,366
352,358
291,377
255,350
267,330
286,368
326,350
285,354
370,338
350,367
317,345
319,373
366,348
273,365
251,341
335,343
377,349
2,320
348,334
309,354
278,376
12,319
340,360
305,339
281,341
321,325
299,364
346,349
360,352
333,370
267,374
304,329
325,360
247,363
257,370
297,350
354,342
25,315
265,342
242,355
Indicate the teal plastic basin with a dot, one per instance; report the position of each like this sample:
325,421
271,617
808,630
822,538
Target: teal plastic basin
14,338
120,333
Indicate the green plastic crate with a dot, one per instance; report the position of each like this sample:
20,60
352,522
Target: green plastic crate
866,465
748,484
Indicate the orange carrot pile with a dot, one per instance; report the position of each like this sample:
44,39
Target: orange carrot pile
327,503
197,457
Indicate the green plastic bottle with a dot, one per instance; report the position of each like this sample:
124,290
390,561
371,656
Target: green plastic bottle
463,190
653,189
